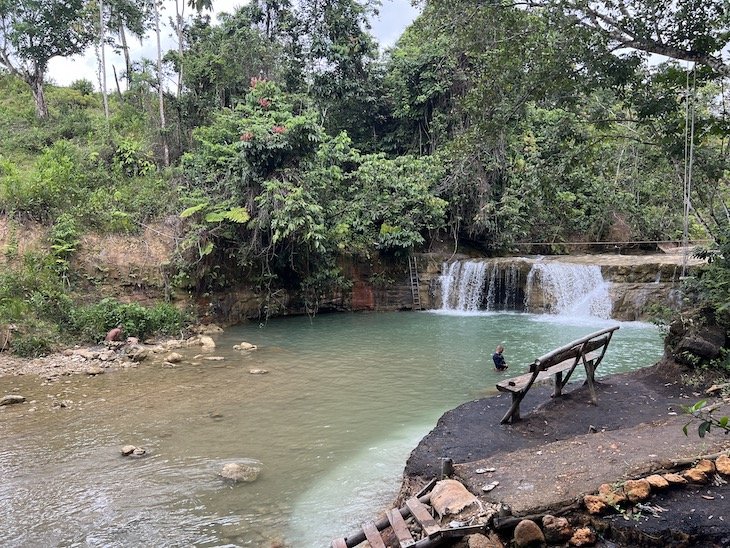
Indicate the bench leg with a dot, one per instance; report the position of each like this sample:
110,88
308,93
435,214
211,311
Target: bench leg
514,410
590,377
558,388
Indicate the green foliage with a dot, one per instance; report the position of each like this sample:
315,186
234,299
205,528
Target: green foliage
712,285
54,185
92,322
304,198
83,86
31,346
705,418
64,239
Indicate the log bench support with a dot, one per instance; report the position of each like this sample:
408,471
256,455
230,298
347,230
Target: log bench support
588,351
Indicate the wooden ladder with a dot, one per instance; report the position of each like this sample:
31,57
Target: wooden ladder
413,525
413,271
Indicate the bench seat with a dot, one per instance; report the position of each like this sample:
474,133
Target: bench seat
519,383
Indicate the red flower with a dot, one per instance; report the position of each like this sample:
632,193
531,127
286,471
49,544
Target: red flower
247,136
278,129
256,81
264,102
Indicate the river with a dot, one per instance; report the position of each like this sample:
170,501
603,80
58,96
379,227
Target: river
345,400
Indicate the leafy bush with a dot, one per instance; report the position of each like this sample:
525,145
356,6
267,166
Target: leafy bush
31,346
92,322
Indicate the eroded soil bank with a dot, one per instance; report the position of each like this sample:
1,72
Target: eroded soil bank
566,448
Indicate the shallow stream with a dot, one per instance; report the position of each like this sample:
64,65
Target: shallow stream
346,399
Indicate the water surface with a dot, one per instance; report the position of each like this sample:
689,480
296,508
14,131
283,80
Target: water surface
346,399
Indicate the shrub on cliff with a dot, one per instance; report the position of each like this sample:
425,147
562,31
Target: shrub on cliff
92,322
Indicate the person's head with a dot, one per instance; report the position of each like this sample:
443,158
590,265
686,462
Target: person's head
500,349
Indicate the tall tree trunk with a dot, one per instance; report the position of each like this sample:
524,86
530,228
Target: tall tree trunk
179,14
35,81
102,76
125,50
160,86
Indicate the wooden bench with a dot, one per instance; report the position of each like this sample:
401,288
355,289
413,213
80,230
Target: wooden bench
587,351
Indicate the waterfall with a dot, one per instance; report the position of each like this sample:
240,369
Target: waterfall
571,289
462,285
496,284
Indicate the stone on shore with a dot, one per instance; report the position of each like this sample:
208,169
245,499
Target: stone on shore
450,497
706,466
595,505
556,530
723,465
637,490
657,482
583,537
483,541
675,479
528,535
695,475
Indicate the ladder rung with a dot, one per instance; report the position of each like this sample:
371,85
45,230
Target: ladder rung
423,516
372,535
405,539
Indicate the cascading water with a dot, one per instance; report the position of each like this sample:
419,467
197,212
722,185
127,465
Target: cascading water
560,288
571,289
462,285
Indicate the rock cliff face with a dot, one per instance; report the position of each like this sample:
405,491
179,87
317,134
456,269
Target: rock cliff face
136,268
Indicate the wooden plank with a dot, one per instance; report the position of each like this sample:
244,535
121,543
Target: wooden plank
516,384
405,539
339,543
566,348
372,535
458,532
423,516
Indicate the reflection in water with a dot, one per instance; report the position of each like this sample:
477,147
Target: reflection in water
346,399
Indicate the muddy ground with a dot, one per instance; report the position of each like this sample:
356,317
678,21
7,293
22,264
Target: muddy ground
565,448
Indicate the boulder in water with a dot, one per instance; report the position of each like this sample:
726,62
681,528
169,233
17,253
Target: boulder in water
245,346
240,472
133,451
11,399
174,357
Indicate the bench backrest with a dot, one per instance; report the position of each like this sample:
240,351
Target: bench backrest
575,349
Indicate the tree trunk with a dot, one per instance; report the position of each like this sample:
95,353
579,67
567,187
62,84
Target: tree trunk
102,77
35,81
179,14
160,86
125,49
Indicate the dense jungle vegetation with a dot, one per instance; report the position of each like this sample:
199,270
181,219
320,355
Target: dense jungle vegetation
284,139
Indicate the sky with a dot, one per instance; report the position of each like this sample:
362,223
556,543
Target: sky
394,17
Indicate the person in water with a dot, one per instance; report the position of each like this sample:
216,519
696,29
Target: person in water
499,363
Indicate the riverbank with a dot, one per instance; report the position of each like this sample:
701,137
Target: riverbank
566,449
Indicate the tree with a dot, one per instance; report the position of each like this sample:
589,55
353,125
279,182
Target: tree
127,15
689,30
32,32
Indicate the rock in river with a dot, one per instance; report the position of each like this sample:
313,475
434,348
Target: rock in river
11,399
236,471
